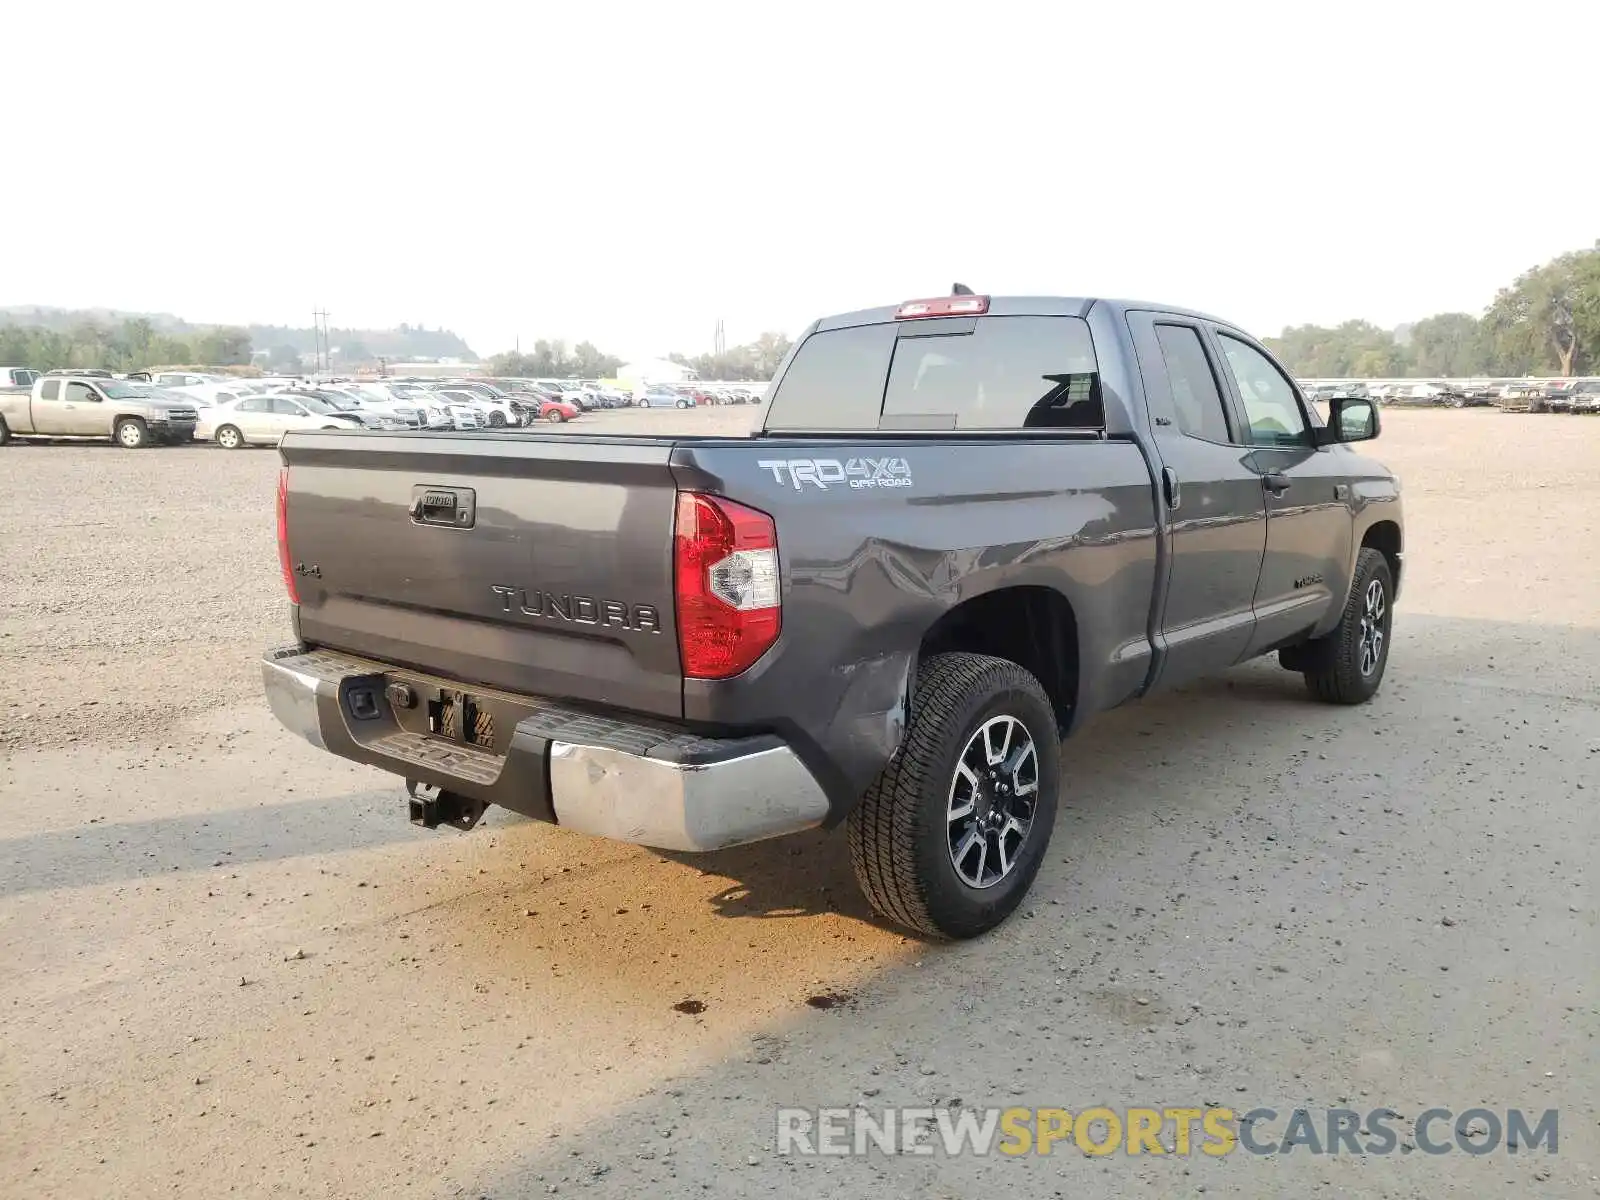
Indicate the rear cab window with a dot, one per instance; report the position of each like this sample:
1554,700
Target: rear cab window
992,373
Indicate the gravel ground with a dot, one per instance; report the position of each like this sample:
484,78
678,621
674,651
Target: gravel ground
229,966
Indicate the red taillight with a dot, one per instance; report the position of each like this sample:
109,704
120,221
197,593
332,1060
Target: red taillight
729,604
943,306
283,536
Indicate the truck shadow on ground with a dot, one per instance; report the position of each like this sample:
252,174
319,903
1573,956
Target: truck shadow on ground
101,853
1216,878
810,873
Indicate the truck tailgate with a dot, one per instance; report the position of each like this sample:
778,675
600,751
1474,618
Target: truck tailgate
536,564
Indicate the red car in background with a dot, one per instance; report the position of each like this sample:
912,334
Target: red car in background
557,411
552,406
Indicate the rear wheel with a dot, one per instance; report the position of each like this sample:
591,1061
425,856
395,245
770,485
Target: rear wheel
132,433
229,438
683,404
949,837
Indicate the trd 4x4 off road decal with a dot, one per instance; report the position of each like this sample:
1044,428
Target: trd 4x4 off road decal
822,472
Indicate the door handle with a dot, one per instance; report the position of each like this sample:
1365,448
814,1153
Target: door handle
1276,482
1169,487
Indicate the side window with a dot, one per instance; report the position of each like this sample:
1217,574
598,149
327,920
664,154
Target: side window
1195,393
1269,401
82,393
287,408
51,390
255,406
1007,373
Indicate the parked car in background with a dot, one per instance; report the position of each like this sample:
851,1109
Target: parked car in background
1323,392
17,379
184,379
659,395
262,420
212,392
1586,396
572,391
95,406
1557,395
1419,394
1475,393
610,396
496,412
370,413
558,410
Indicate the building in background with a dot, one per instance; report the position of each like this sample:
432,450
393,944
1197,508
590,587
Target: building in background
653,370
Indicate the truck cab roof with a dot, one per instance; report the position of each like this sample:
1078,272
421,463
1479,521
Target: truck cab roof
1024,306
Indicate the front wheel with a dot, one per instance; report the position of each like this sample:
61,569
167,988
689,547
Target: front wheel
229,438
554,416
132,433
1346,666
949,837
5,432
644,404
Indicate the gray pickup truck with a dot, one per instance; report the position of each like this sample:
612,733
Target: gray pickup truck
969,524
94,406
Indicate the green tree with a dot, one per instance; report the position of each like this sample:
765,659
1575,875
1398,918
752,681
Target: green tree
284,359
354,350
223,347
1316,352
1449,345
1550,316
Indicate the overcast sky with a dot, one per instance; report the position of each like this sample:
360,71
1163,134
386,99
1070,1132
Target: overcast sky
631,173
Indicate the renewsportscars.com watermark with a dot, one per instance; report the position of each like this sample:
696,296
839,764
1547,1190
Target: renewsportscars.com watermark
1210,1130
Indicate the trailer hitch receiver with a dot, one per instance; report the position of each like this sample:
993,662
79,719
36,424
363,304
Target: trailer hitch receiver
432,807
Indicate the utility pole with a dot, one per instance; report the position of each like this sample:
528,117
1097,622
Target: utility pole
319,337
720,343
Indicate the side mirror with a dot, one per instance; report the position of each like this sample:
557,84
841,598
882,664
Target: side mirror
1352,419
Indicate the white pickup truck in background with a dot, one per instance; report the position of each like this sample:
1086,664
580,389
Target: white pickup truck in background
88,406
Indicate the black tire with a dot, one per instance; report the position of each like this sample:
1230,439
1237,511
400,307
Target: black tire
5,432
1337,668
228,437
644,404
900,833
131,433
497,419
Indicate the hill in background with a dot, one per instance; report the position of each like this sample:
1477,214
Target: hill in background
407,342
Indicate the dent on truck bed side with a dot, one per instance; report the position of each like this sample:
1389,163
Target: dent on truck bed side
867,571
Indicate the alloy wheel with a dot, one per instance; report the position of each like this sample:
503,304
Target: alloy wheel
1374,611
991,801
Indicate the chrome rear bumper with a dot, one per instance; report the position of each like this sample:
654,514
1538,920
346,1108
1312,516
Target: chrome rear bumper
630,780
